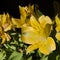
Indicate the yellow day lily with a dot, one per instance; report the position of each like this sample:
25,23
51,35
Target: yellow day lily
57,27
4,26
19,22
4,35
37,35
24,12
6,22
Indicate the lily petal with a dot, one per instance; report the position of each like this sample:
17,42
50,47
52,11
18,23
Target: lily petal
29,35
5,37
43,48
57,20
51,42
16,22
31,48
23,14
57,36
3,20
47,30
44,20
34,23
48,46
58,28
8,27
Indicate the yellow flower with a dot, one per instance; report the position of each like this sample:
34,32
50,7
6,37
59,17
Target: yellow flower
29,9
37,36
19,22
44,20
57,27
5,22
4,36
57,23
57,36
24,12
5,25
16,22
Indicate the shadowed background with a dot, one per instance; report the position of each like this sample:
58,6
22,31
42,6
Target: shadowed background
11,6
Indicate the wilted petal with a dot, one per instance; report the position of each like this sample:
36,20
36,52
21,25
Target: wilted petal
30,10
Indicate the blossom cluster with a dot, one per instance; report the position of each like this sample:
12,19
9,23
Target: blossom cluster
36,29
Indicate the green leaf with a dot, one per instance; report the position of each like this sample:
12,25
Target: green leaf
44,58
2,55
30,58
16,56
40,54
58,57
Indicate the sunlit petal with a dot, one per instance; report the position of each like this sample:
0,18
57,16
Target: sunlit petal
51,43
57,36
29,35
34,23
44,20
23,14
31,48
58,28
3,20
47,47
16,22
57,20
44,48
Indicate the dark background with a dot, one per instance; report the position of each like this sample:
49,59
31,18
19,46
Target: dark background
11,6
